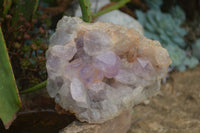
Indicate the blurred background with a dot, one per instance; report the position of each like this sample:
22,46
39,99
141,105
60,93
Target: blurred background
28,24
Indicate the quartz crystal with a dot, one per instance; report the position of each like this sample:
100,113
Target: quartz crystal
109,63
99,70
94,44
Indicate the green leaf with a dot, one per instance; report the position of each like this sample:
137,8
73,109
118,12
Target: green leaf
25,7
6,5
9,98
35,88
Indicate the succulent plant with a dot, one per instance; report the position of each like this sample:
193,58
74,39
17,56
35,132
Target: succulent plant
163,27
178,14
196,49
179,58
166,28
154,4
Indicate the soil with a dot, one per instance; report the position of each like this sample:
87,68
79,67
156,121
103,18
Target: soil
175,110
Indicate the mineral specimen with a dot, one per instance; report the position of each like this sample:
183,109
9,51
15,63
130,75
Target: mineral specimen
99,70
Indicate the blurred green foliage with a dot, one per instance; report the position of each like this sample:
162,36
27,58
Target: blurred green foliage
6,6
196,48
27,8
26,39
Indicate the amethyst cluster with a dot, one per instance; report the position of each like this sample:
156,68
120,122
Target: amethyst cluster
94,59
99,70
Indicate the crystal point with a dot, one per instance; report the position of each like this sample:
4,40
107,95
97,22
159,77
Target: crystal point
78,91
96,42
108,62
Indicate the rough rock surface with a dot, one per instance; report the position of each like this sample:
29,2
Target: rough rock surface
99,70
120,124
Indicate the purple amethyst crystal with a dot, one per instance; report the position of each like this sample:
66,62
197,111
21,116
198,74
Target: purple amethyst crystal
107,62
96,42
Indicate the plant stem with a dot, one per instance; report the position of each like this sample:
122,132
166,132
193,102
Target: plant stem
34,88
111,8
86,11
35,7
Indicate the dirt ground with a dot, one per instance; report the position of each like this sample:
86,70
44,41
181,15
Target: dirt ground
176,109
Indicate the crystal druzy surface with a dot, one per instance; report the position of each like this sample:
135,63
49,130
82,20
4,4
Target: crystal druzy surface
99,70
